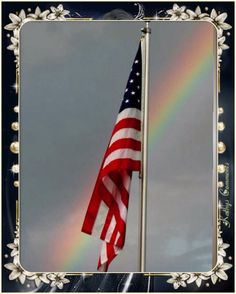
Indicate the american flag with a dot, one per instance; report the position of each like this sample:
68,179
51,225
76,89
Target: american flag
108,207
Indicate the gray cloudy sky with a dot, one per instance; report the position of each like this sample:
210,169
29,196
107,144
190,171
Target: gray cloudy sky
73,76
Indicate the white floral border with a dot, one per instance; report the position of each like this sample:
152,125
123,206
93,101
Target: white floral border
59,13
176,13
218,19
216,274
17,272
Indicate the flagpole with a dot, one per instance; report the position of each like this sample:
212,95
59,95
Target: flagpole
145,85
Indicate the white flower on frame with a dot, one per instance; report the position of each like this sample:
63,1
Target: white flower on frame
39,278
14,45
16,259
219,271
17,21
178,13
197,14
58,280
197,278
38,14
15,247
219,20
221,47
178,279
221,247
58,13
17,272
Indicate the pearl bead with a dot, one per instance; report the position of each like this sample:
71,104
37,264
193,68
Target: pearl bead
15,126
220,184
15,168
221,147
221,168
221,126
16,109
14,147
16,184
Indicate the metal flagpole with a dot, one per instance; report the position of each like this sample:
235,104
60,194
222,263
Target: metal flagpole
145,85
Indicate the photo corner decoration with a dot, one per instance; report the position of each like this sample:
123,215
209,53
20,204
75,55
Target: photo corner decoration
18,279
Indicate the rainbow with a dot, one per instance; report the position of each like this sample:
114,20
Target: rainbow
173,89
179,80
64,256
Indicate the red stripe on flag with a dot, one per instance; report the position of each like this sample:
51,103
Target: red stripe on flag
113,206
119,164
133,123
118,179
92,210
124,143
106,224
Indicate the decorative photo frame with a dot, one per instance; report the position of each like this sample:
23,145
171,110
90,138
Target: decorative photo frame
15,278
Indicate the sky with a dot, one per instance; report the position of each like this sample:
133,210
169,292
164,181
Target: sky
73,76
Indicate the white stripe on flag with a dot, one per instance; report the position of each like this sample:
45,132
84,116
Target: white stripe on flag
129,113
126,133
103,255
117,237
122,153
110,229
99,222
116,249
113,190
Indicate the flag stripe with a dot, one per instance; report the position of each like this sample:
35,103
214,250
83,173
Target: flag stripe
114,235
121,163
127,133
120,181
106,224
104,254
117,237
110,229
98,224
113,190
127,123
129,112
126,144
113,206
122,153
